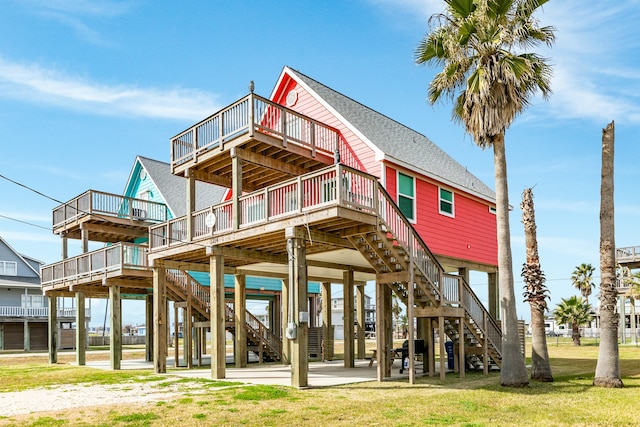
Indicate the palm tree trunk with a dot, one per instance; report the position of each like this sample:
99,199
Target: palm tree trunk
513,372
608,366
535,292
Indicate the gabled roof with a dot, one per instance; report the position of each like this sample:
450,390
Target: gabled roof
28,261
173,187
394,141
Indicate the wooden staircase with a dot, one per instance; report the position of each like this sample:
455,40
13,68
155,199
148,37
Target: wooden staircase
181,286
393,248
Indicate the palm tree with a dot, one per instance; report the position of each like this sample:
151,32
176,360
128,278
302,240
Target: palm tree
582,279
536,293
574,310
608,366
474,43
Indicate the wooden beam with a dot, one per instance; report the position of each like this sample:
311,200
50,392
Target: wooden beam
268,162
400,276
246,254
130,232
211,178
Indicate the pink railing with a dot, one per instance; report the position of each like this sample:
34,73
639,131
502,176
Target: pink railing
333,185
248,115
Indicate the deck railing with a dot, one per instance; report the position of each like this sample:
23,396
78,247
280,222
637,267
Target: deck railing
108,259
248,115
338,184
109,205
9,311
628,254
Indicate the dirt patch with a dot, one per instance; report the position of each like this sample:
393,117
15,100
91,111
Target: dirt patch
82,395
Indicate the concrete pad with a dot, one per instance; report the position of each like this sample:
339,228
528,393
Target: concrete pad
321,374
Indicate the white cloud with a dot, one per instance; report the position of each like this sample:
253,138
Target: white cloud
35,84
101,8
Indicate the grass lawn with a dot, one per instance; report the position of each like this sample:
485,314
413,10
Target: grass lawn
477,400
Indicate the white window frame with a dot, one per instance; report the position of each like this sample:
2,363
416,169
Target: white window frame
451,214
4,270
492,210
412,198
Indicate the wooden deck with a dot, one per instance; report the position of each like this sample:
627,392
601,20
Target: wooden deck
124,264
275,143
107,217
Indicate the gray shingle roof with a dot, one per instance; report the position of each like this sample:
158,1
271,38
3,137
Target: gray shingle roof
173,188
398,142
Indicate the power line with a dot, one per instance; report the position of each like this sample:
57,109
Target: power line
30,189
25,222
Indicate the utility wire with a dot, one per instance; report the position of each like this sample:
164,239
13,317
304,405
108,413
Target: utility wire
24,222
30,189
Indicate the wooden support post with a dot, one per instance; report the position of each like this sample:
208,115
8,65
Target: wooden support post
188,334
148,339
384,341
421,333
65,247
327,326
81,330
176,337
442,337
26,339
348,316
461,355
160,323
116,327
240,307
360,321
236,188
217,313
485,346
286,308
431,348
493,295
410,314
53,329
632,317
191,202
84,236
296,250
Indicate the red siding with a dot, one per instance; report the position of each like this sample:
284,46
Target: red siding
469,235
363,156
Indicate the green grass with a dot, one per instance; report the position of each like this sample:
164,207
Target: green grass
476,400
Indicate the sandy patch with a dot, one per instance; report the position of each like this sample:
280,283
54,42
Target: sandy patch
81,395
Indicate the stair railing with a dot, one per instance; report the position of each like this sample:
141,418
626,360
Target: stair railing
399,226
452,289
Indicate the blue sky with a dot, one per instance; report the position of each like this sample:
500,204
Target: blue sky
85,86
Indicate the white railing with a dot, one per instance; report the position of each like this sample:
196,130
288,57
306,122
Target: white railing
334,185
110,205
628,254
8,311
111,258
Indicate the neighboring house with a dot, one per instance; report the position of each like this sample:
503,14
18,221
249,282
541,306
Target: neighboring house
24,311
152,180
337,317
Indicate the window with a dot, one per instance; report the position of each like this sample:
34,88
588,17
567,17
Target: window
8,268
406,196
492,210
446,202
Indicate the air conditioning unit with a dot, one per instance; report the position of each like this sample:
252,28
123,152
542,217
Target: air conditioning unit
139,213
